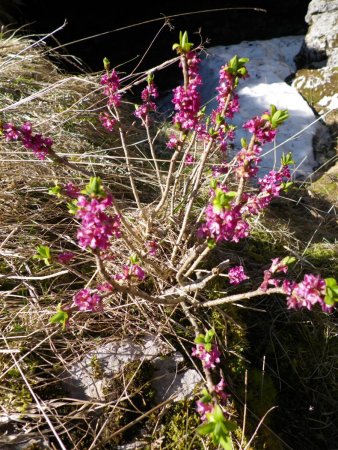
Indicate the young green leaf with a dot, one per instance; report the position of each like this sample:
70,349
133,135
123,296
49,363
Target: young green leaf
106,64
134,259
60,317
206,428
287,159
72,207
208,347
288,260
94,187
44,254
200,339
56,190
209,335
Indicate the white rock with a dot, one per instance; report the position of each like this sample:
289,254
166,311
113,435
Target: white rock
169,382
112,357
270,63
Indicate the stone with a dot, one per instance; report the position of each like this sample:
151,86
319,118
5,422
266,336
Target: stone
327,185
169,381
87,378
319,88
82,379
320,47
271,62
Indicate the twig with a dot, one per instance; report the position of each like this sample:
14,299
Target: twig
243,296
258,427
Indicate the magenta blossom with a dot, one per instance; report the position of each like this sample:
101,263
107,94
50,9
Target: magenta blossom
209,359
107,121
148,93
132,272
173,142
41,146
96,226
189,160
307,293
186,99
111,83
71,190
261,128
105,287
224,225
153,248
85,300
237,275
65,257
203,409
220,391
246,162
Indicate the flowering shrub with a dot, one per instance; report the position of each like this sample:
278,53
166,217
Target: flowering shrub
129,244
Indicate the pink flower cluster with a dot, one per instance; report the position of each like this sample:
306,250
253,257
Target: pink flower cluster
186,99
189,160
270,186
40,145
228,105
173,142
85,300
229,223
107,121
277,266
148,105
65,257
224,224
220,391
246,162
71,190
152,247
205,407
96,226
111,83
225,89
307,293
105,287
132,272
237,275
209,359
261,128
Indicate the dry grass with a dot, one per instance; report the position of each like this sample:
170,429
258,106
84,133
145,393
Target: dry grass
35,353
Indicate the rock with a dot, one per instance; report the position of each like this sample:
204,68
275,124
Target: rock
22,442
320,46
169,381
327,185
271,62
319,88
88,378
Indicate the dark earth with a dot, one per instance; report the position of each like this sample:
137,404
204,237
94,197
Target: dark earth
84,19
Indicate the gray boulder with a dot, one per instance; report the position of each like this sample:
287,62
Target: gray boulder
320,47
88,377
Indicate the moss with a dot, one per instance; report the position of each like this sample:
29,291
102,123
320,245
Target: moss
97,368
327,185
134,383
178,428
15,396
324,258
314,84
